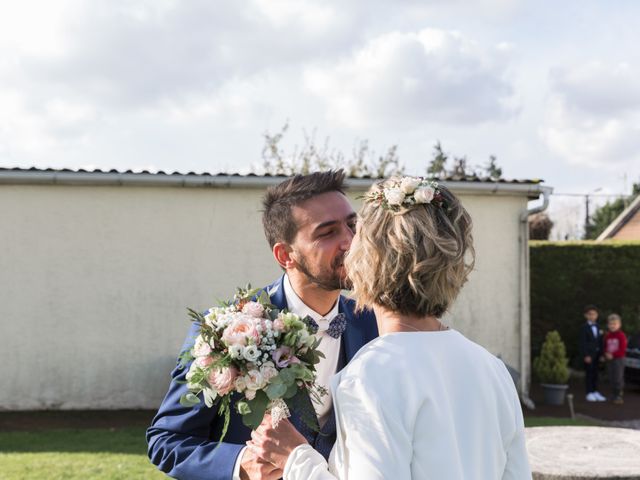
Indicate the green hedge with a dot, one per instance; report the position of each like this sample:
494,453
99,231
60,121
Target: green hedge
566,276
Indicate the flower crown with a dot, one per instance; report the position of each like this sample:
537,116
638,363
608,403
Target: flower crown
406,192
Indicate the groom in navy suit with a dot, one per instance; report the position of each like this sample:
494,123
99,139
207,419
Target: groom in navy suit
309,225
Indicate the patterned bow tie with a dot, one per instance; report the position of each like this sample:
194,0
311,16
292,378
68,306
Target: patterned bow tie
337,326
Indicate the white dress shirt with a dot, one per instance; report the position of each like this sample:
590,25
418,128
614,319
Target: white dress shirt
594,329
327,367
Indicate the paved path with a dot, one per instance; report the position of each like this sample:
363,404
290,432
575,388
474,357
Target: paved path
584,453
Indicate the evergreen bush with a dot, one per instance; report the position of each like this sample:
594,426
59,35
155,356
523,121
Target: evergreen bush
551,365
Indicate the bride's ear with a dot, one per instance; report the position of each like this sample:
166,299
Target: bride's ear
282,252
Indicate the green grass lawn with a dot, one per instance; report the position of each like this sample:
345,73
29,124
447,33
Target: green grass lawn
104,454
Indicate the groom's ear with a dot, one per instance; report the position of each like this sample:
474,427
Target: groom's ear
282,254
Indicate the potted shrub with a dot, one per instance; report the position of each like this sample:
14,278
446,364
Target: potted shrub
551,369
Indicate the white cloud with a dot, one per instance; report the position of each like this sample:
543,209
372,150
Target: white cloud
598,88
34,27
311,16
593,114
127,55
32,133
404,78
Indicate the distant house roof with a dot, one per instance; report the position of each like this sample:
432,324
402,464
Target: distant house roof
626,226
470,183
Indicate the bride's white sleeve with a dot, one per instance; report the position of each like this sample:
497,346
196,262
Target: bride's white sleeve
517,466
374,437
305,463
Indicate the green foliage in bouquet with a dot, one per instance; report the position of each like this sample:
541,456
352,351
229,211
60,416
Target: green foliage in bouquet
551,366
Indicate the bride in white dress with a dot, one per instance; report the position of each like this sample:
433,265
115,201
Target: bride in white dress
421,401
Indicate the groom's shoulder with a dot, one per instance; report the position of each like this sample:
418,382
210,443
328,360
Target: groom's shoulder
349,305
274,290
363,320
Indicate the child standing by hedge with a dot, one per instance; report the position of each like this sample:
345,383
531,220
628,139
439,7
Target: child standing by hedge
615,347
590,346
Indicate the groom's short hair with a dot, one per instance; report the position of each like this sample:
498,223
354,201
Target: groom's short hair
277,216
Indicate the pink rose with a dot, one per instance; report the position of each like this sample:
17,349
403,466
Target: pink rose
203,362
278,325
239,331
255,380
201,348
284,357
223,379
253,309
268,371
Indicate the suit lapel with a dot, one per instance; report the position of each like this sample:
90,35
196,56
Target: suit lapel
276,293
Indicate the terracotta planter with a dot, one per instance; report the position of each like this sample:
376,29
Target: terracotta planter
554,394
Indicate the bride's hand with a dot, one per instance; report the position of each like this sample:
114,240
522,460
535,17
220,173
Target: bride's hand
275,444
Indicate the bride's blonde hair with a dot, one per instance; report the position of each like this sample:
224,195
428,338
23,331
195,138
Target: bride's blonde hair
413,260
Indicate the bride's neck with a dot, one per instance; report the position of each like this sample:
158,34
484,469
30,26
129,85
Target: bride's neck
391,322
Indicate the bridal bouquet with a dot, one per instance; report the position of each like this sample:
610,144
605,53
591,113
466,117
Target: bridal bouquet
266,356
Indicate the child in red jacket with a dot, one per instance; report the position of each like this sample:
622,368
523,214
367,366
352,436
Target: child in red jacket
615,347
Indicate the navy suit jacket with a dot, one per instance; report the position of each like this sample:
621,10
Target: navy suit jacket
588,344
182,441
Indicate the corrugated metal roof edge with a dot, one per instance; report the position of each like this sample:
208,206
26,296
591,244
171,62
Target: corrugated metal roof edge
469,184
468,178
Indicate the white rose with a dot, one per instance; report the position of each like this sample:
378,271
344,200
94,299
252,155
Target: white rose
268,371
251,353
394,196
254,380
409,184
240,384
250,394
424,194
236,352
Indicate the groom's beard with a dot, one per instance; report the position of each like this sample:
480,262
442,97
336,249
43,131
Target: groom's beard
328,279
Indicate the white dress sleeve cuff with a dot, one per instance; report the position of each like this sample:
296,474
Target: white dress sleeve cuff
236,468
305,463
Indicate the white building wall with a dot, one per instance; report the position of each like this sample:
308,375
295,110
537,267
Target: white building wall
95,281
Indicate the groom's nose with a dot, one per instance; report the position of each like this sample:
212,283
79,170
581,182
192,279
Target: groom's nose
347,237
